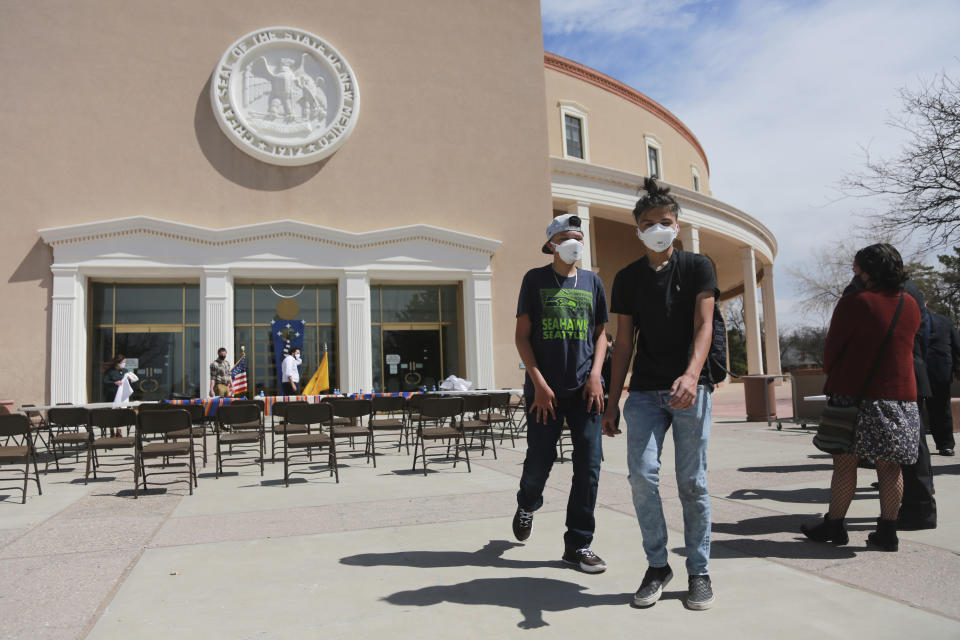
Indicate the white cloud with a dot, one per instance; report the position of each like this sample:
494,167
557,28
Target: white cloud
782,95
635,17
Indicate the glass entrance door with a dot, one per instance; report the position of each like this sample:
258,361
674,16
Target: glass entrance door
157,356
411,359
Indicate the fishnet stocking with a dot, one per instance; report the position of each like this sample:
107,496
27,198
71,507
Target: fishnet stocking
842,485
891,488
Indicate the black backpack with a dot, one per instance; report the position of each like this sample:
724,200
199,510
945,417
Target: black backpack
715,365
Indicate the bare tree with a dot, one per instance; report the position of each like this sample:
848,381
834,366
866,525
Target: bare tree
823,277
922,183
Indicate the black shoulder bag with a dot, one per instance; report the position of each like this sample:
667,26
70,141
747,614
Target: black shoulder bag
838,425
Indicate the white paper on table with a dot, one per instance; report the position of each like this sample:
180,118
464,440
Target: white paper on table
453,383
124,390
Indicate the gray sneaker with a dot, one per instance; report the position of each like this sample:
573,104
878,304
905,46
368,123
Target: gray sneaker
700,596
654,581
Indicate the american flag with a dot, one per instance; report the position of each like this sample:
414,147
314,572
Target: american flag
238,382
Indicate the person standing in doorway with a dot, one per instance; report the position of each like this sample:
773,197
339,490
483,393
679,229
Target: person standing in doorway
290,373
559,335
664,304
943,363
220,375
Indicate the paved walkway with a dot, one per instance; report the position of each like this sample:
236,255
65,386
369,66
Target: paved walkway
392,553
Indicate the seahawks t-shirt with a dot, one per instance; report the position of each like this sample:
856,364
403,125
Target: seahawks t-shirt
563,315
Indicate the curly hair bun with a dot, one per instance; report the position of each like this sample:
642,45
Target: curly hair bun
657,195
654,188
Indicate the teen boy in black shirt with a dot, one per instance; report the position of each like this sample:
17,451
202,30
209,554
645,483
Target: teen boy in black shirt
664,302
560,317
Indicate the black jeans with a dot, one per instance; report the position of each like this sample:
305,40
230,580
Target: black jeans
941,418
919,508
587,453
288,389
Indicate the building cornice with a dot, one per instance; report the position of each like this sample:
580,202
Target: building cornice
605,82
276,229
617,188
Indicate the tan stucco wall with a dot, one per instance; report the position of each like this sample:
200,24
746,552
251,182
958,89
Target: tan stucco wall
616,130
107,114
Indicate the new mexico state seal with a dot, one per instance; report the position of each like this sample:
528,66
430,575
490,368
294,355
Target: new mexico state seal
285,96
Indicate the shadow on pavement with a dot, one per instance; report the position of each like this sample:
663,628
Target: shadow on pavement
780,468
811,495
788,523
532,597
487,556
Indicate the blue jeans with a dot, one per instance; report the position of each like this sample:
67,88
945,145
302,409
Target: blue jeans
541,454
648,416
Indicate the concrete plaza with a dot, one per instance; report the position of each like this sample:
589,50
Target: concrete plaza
391,553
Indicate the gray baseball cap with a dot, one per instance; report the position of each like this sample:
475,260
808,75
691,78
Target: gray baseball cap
565,222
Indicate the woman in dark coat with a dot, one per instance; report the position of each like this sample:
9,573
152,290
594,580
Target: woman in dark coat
113,377
888,428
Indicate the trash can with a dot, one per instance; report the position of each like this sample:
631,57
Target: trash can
754,388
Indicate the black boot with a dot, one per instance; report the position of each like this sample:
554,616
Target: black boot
827,531
885,536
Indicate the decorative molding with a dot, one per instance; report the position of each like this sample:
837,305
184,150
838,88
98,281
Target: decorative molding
614,188
278,229
576,70
285,96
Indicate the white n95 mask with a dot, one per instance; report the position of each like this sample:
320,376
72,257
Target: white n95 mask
658,237
569,250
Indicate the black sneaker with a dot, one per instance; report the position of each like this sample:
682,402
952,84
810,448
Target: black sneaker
522,523
700,596
586,559
654,581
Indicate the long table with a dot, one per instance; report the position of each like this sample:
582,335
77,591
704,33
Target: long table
210,405
89,405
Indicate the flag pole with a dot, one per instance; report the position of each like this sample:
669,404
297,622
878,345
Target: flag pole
243,354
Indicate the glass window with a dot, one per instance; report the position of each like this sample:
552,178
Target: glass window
451,351
101,301
166,351
191,300
243,304
257,304
653,161
327,304
375,304
377,358
696,182
448,303
574,136
149,304
410,304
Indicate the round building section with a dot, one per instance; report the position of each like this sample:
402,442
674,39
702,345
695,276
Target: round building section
604,138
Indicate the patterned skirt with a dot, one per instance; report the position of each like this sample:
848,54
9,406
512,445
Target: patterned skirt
886,430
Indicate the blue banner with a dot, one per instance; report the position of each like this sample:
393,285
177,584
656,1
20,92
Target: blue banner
287,335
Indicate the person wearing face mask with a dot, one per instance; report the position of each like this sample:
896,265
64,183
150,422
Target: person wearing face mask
664,305
561,314
290,373
220,375
113,377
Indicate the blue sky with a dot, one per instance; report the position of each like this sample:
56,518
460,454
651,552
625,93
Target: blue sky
783,95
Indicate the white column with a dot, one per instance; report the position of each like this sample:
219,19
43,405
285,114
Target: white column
751,311
68,344
478,329
690,237
771,336
355,341
582,210
216,321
